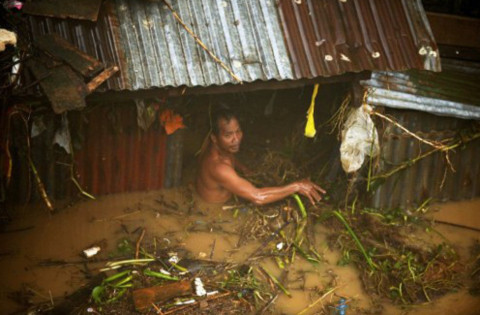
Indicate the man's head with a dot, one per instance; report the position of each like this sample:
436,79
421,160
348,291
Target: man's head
226,131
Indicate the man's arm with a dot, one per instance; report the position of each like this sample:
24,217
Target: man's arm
226,176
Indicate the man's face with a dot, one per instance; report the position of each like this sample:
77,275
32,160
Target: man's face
229,136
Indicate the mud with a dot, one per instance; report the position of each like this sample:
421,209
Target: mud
207,231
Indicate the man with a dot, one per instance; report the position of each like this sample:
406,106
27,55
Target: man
217,178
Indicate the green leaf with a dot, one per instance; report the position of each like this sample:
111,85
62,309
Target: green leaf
97,293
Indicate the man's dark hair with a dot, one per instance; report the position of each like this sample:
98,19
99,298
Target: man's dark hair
222,112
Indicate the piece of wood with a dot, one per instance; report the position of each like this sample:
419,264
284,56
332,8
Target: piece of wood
64,88
99,79
60,48
79,9
143,298
454,30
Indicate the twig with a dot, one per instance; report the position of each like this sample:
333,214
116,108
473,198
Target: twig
213,249
201,43
275,280
436,145
40,186
210,298
72,177
269,303
139,241
157,309
415,160
317,301
119,216
458,225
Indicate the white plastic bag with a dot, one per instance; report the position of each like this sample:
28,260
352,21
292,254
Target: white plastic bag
359,139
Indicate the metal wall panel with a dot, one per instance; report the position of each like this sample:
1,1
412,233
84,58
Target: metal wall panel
117,156
431,177
112,155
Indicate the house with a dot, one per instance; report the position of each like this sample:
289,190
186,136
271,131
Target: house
158,52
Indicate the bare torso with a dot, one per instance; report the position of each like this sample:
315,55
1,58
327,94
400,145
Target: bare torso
207,186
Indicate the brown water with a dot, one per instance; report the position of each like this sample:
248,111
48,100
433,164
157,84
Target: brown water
64,235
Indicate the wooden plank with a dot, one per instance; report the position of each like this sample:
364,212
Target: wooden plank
60,48
64,88
455,30
79,9
99,79
143,298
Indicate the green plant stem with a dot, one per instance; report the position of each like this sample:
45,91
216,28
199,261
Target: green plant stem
155,274
300,205
370,262
130,261
280,286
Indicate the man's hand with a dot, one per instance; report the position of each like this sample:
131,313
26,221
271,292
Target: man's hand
310,190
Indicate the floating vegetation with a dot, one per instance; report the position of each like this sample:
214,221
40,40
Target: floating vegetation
391,264
474,288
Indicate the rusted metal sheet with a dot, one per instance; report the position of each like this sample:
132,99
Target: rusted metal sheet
94,39
112,155
79,9
453,92
117,156
64,88
331,37
58,47
432,176
259,40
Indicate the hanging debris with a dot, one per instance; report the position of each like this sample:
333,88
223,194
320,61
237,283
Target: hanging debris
359,139
7,38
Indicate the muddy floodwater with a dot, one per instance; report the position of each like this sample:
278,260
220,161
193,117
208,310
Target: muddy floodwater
35,240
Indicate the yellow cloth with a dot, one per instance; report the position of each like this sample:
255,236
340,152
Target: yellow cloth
310,130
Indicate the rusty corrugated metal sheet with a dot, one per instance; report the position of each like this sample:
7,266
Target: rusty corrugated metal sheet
95,39
112,155
258,40
331,37
117,156
453,92
431,177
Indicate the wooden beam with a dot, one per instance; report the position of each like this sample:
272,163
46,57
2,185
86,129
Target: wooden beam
80,61
99,79
455,30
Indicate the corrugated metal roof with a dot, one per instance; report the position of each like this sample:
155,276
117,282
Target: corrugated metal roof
245,35
331,37
256,39
453,92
